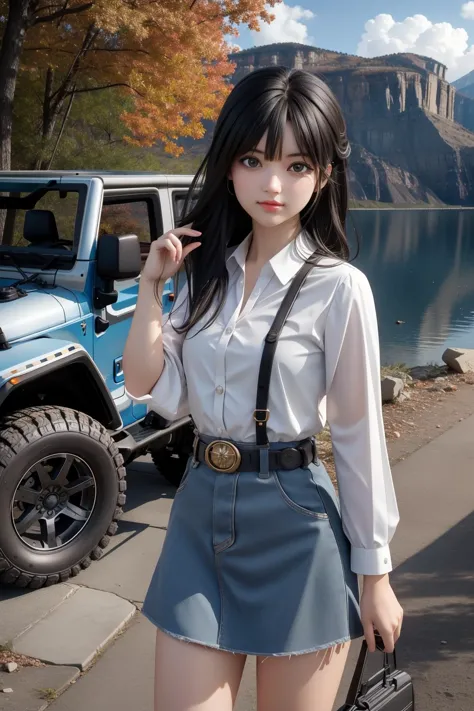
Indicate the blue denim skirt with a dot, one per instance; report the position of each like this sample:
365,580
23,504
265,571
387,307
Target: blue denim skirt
256,565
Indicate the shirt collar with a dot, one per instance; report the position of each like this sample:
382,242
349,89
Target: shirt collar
285,263
239,254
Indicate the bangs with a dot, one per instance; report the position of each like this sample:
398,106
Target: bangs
273,116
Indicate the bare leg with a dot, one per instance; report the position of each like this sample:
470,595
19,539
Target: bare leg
190,677
306,682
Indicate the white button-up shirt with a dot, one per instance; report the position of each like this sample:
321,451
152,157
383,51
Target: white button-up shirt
326,367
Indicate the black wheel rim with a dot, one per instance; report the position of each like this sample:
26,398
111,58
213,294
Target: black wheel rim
54,501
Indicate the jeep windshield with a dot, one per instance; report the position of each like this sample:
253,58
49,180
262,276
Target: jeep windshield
37,222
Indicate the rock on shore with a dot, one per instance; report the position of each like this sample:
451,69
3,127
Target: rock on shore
459,359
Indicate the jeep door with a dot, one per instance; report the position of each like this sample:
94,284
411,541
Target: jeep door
144,212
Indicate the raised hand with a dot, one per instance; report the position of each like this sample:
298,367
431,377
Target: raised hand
167,254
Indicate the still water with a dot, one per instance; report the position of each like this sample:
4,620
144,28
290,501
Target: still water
420,264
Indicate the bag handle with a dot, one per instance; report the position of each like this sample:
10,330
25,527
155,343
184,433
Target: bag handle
357,685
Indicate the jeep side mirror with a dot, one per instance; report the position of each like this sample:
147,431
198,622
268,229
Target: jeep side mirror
118,257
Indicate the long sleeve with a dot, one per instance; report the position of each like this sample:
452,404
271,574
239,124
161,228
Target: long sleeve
169,395
354,411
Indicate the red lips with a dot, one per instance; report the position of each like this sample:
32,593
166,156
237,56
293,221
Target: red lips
271,202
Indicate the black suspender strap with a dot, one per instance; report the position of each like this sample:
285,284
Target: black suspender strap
262,413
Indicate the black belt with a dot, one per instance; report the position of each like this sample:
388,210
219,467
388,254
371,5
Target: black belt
226,457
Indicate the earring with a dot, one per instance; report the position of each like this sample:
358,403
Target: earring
228,189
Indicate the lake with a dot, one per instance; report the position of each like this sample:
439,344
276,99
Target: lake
420,264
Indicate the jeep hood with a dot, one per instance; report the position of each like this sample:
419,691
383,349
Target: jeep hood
34,313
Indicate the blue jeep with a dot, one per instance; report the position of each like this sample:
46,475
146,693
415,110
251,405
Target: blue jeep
73,245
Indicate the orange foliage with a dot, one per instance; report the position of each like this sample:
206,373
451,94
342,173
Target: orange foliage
170,55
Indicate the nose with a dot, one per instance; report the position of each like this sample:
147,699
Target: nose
272,184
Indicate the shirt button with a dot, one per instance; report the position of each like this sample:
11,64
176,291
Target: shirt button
228,331
220,430
219,390
385,560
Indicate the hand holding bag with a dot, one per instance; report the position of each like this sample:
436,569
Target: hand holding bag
390,689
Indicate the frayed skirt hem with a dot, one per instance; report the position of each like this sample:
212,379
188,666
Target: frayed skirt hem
221,648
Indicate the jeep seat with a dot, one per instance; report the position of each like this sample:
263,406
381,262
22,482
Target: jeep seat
40,229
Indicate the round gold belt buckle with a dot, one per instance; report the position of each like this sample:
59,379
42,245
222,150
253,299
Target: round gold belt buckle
222,456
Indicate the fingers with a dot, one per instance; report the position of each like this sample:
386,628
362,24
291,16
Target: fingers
389,637
171,242
186,231
398,631
189,248
397,628
386,635
369,637
388,641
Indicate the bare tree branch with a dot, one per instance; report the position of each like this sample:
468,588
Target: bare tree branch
92,49
106,86
62,13
60,19
48,49
42,8
60,134
124,49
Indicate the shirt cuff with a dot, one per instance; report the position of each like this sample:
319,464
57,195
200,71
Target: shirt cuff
371,561
142,398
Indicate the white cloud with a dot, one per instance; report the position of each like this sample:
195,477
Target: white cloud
440,41
288,26
467,10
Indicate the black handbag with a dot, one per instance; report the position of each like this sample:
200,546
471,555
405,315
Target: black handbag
390,689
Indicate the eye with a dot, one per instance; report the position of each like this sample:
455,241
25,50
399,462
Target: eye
256,162
301,168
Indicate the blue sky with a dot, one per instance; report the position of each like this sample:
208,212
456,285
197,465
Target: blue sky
442,29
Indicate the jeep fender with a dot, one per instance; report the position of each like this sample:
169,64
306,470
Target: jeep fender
25,364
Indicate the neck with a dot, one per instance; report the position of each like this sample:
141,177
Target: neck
268,241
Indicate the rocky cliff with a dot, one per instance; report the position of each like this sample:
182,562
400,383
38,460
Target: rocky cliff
403,117
394,83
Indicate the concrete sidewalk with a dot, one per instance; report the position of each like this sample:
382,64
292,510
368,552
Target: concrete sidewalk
434,580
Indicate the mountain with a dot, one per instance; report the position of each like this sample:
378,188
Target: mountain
465,83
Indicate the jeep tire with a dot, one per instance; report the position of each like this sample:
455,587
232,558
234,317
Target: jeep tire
62,484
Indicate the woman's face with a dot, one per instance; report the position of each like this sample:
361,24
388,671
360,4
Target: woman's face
288,183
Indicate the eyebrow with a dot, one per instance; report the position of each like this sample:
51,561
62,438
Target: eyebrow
290,155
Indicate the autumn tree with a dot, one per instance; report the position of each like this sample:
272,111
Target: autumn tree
94,137
168,57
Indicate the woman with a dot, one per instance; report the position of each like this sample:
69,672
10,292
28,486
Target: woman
261,557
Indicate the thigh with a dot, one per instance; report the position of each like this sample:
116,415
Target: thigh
191,677
306,682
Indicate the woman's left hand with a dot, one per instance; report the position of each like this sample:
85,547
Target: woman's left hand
380,610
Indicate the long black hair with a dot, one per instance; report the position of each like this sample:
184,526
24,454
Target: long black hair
264,100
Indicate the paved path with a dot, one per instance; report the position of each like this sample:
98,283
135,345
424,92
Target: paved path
434,580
